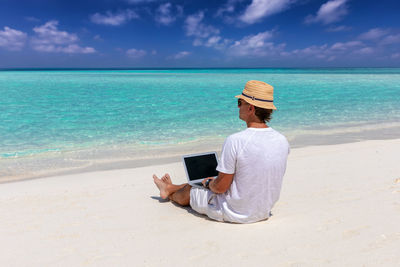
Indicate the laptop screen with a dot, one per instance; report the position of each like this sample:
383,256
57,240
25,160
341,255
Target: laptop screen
202,166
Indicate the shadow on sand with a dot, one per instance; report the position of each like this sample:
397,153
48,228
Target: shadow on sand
187,208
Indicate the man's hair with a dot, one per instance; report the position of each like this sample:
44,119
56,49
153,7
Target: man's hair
263,114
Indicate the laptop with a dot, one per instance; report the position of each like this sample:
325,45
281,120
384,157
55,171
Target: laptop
200,166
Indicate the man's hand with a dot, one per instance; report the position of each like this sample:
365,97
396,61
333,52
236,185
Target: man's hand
220,184
205,180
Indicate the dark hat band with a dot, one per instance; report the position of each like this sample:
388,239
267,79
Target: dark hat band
258,99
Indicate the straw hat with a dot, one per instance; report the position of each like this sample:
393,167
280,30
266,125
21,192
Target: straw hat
259,94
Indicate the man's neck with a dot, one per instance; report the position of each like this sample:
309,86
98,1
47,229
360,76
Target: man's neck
254,124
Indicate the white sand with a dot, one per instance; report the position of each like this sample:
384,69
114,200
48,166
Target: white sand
340,206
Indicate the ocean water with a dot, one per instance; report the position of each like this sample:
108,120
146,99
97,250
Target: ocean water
125,114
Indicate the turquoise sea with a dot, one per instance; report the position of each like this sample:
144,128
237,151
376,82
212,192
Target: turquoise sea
66,119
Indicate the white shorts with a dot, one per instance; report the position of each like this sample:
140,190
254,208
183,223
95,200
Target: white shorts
205,202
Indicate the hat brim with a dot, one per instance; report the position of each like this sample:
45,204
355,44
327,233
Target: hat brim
257,103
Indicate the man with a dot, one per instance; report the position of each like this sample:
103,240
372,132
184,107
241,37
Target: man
251,166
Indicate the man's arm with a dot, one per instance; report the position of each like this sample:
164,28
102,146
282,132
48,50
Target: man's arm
220,184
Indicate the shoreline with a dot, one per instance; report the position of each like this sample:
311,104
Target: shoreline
339,206
173,153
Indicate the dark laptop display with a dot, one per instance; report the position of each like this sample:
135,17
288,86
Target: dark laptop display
202,166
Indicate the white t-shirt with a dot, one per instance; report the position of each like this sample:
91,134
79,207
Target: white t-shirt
257,157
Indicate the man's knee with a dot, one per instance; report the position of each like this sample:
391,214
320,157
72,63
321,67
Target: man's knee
182,196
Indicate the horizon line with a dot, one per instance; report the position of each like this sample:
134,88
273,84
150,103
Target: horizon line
184,68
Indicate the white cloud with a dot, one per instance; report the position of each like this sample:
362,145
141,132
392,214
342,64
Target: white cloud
259,9
49,39
395,55
136,53
181,54
164,13
226,12
381,36
97,37
341,28
391,39
76,49
331,11
198,42
212,41
364,51
322,52
115,19
329,53
69,49
345,46
195,27
255,45
374,34
314,50
229,7
206,35
12,39
49,34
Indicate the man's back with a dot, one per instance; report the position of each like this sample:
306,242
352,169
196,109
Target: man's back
258,158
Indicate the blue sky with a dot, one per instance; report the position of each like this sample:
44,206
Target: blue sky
228,33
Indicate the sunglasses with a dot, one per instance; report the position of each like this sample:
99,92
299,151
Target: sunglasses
240,102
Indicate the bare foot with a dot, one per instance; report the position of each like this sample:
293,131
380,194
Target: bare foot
166,178
162,186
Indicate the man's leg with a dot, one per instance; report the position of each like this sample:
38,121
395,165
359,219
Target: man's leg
177,193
